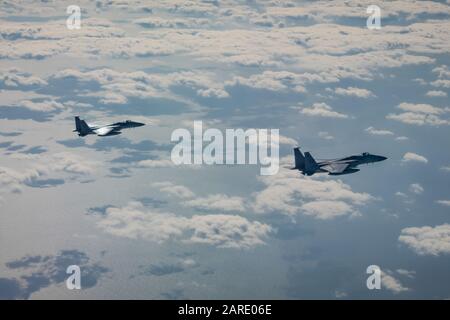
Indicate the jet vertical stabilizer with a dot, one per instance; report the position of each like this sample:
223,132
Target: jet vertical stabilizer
299,160
82,127
311,165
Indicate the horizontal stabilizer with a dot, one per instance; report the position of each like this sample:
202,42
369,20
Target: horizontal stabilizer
347,171
336,168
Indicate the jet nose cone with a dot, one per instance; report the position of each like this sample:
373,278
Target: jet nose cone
138,124
381,158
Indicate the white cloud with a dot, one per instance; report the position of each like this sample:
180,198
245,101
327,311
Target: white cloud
14,78
444,83
11,180
416,188
284,140
228,231
175,190
436,93
420,114
96,37
325,135
407,273
38,49
182,23
44,166
442,71
156,163
414,157
273,81
378,132
269,141
427,240
354,92
289,193
224,231
329,10
320,51
117,87
218,202
392,284
445,168
110,97
92,28
322,110
41,106
444,202
164,163
326,50
213,92
325,210
401,194
72,163
285,193
420,81
420,108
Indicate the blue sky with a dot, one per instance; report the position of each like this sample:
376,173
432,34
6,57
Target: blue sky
140,227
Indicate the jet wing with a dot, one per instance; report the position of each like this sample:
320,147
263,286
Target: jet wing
105,131
337,167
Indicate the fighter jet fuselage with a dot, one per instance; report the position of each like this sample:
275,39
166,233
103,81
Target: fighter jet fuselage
309,166
113,129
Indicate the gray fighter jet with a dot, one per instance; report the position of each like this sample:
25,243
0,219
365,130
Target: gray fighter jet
113,129
308,166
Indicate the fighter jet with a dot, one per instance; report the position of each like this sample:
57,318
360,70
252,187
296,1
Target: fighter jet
308,166
113,129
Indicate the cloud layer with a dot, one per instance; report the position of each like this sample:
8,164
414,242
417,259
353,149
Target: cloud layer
427,240
224,231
